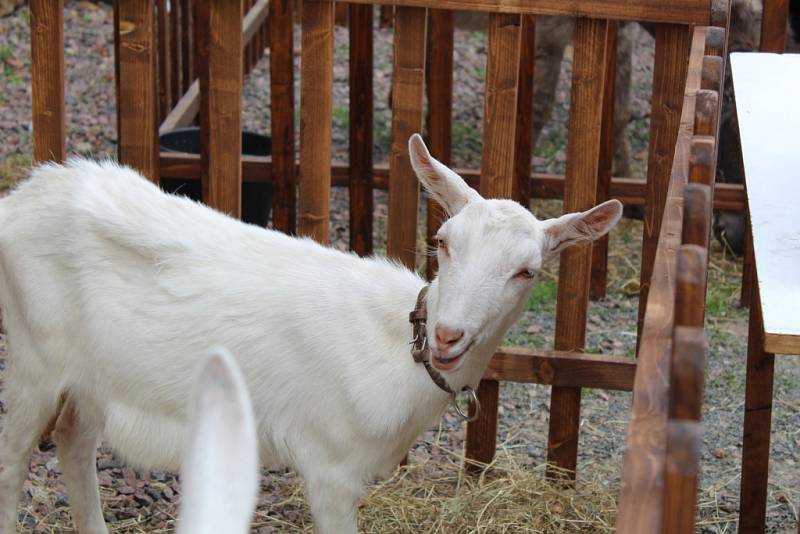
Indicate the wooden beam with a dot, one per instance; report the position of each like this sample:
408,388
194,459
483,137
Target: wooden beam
676,11
47,80
258,169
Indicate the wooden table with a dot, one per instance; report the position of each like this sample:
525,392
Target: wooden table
767,89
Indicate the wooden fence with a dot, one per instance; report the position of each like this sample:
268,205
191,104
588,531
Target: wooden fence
186,58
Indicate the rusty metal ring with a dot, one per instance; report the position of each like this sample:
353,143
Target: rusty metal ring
472,399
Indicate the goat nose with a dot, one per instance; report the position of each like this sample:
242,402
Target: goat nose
447,337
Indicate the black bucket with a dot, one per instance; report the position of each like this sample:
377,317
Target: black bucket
256,197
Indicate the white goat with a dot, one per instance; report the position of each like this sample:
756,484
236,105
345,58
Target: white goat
111,288
219,476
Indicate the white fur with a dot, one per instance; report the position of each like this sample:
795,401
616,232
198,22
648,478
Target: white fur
219,475
111,289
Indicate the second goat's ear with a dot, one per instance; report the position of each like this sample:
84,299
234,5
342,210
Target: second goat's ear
581,227
446,187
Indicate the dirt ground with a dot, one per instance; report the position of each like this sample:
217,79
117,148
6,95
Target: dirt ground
136,501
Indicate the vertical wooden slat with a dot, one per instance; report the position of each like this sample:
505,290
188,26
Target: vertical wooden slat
282,117
599,276
341,14
669,79
523,149
164,63
386,16
221,87
497,177
137,106
316,87
773,26
440,111
187,46
407,99
47,79
174,53
580,188
361,129
757,421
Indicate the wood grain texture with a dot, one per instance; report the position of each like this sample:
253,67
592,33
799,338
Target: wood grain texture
626,190
669,80
137,106
174,53
681,473
690,285
712,73
47,80
281,65
706,112
641,491
580,188
361,129
187,45
687,374
773,26
500,106
221,87
561,368
478,447
523,131
316,87
702,160
440,112
675,11
497,177
408,91
696,215
757,422
164,59
599,275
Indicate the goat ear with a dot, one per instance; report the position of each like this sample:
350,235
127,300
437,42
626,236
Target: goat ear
220,471
446,187
585,226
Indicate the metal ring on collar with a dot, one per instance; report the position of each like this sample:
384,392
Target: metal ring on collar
472,399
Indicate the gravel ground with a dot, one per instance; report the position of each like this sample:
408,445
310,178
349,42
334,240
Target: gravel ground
146,501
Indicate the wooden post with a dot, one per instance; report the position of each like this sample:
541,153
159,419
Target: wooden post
187,46
696,215
47,80
407,107
773,26
361,129
580,188
137,103
164,62
221,107
669,80
316,87
174,53
387,16
497,177
281,81
701,160
440,111
523,130
599,276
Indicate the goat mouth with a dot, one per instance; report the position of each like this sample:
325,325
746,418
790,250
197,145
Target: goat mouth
448,363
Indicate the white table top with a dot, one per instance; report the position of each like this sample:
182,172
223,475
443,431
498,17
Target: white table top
767,89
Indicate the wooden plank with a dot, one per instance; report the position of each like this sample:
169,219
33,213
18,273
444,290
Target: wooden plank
386,16
316,87
696,215
626,190
361,129
599,274
163,59
757,421
773,26
675,11
702,160
580,188
765,87
137,106
221,90
561,368
706,112
187,46
497,177
669,79
641,491
690,285
681,474
174,53
407,108
440,112
523,130
712,73
281,64
47,80
687,375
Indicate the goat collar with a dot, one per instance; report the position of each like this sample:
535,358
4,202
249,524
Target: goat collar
421,353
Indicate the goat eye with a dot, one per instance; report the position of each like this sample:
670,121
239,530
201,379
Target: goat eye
442,244
525,274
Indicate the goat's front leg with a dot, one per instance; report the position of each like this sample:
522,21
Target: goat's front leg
333,499
77,434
